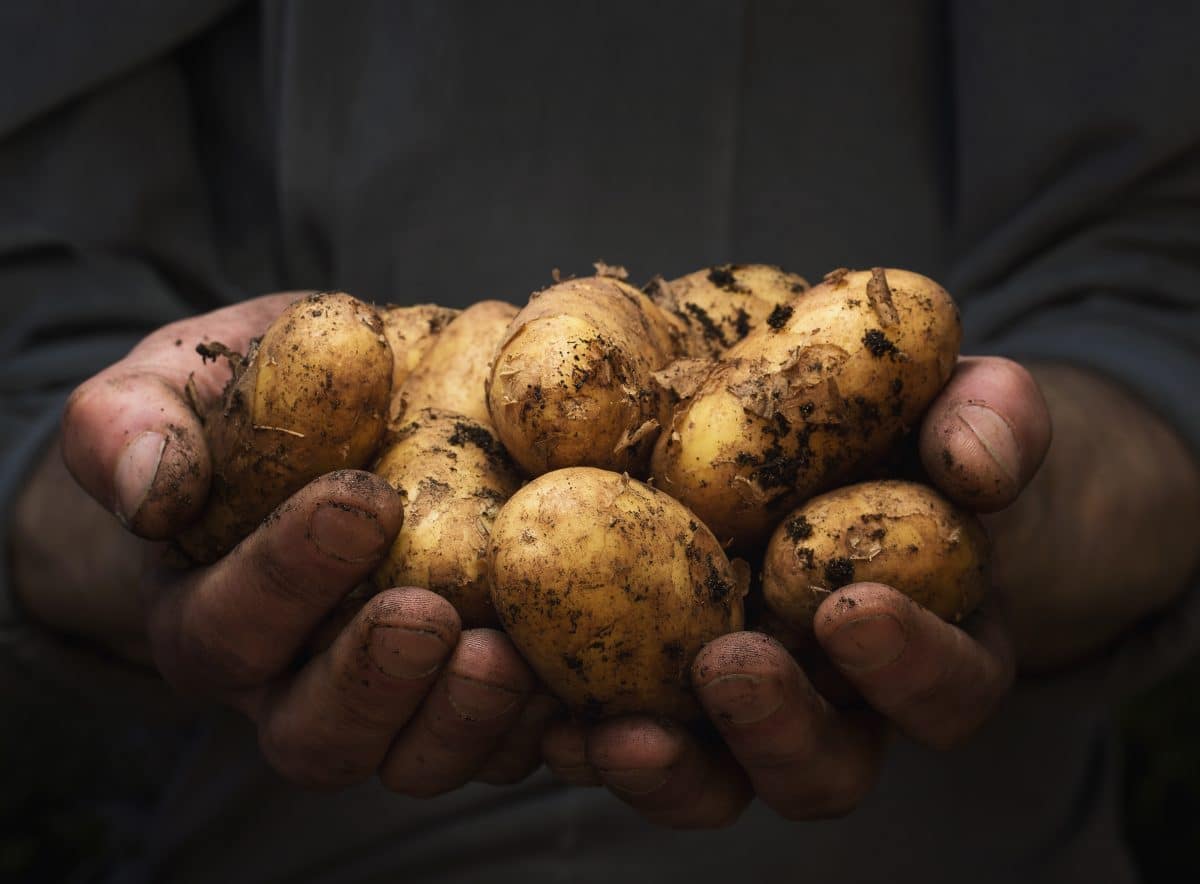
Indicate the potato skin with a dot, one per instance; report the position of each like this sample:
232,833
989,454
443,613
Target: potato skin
572,384
609,588
410,332
453,476
717,307
826,387
453,373
899,533
311,398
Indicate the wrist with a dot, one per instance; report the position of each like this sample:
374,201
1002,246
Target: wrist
1104,534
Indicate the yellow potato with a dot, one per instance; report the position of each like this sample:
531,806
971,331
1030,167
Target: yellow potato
453,477
898,533
453,372
609,588
410,332
309,399
719,306
825,388
572,383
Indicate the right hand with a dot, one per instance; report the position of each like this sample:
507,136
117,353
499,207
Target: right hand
399,690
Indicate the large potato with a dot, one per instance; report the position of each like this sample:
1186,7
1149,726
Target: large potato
609,588
453,477
719,306
572,383
899,533
826,387
309,399
454,371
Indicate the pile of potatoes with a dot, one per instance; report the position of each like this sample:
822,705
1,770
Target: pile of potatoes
606,472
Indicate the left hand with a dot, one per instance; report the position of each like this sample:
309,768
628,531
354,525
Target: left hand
784,742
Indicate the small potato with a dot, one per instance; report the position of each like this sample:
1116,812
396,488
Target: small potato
453,477
453,373
828,386
309,399
898,533
410,333
609,588
719,306
572,383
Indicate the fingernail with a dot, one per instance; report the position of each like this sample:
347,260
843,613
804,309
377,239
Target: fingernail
995,435
135,472
634,782
407,653
742,699
346,533
867,643
478,700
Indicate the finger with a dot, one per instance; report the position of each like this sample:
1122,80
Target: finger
520,752
935,681
564,748
130,436
239,623
662,772
332,724
986,434
476,701
806,759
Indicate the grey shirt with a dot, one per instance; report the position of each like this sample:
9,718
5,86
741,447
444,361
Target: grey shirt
162,159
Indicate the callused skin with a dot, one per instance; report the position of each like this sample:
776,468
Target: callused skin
826,387
609,588
311,398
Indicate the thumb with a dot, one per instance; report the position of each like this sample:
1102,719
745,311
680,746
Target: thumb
135,445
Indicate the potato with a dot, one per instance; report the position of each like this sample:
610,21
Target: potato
829,385
572,382
453,477
719,306
899,533
410,332
309,399
609,588
454,371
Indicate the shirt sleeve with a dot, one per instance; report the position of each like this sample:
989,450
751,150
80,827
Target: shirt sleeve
104,229
1076,217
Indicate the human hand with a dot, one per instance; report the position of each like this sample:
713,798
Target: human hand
398,690
783,739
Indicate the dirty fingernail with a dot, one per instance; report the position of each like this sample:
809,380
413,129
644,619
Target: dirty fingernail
741,699
407,653
135,472
477,700
995,436
346,533
867,643
634,782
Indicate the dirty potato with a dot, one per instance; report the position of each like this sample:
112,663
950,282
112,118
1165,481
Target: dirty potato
453,476
572,385
309,398
410,332
719,306
609,588
828,385
898,533
454,370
